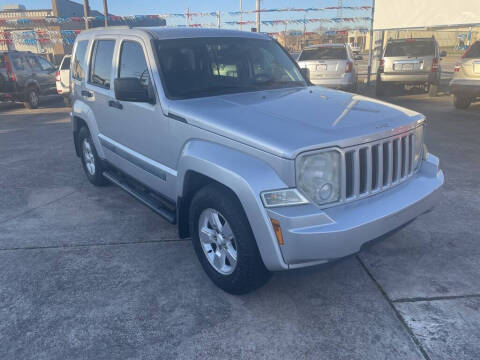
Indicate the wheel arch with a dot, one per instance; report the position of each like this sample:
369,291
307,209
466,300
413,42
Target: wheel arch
203,162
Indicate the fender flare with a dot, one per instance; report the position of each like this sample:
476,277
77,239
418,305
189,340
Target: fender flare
247,177
82,111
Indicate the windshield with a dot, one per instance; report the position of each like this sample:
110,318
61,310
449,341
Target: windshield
214,66
410,48
323,53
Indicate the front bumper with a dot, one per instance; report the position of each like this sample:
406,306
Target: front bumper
313,236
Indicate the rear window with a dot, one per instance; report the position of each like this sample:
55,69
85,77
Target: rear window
323,53
473,52
66,64
78,71
410,48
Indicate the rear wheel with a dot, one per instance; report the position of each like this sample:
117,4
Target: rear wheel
461,102
92,164
224,242
433,90
379,88
32,98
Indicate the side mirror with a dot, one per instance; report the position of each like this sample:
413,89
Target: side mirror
443,54
305,73
131,89
358,57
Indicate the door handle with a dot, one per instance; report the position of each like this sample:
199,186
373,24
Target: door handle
115,104
87,94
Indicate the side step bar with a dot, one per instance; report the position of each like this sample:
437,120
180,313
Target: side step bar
153,202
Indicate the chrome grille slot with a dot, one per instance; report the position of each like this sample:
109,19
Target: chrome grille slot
378,166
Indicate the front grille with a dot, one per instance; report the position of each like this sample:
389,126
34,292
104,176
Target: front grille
377,166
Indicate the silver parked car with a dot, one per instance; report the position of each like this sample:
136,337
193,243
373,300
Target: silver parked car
414,61
465,85
218,132
330,65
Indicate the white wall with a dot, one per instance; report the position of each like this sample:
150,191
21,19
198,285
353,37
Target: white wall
403,14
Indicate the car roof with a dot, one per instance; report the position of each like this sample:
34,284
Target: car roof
164,32
410,39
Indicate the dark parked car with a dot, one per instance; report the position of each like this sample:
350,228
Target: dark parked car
24,76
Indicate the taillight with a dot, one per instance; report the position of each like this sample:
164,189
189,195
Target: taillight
435,65
381,66
457,68
349,67
8,66
58,76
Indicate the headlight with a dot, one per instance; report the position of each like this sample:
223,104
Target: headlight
284,197
418,147
318,176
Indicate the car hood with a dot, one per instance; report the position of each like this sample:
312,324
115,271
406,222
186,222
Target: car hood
286,122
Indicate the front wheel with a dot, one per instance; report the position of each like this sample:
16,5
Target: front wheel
461,102
224,242
432,90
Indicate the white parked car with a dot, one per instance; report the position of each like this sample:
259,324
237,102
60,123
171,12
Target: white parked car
63,79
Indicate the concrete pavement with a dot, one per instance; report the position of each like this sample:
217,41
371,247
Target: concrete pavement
89,273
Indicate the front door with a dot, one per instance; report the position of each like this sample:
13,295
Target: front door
139,130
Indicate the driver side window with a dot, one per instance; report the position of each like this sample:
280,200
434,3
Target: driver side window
133,63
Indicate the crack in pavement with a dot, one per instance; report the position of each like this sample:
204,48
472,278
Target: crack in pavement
434,298
96,245
397,313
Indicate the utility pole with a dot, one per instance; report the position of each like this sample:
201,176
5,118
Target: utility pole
241,15
86,12
86,9
219,20
370,54
105,12
258,15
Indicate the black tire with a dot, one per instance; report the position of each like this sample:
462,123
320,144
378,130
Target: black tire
66,101
250,272
96,176
32,99
461,102
379,88
432,90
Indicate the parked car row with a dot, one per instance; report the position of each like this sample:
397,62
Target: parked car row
25,76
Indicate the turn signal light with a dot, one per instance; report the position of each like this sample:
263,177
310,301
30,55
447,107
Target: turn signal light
278,231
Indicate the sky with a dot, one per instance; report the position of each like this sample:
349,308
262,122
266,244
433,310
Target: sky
146,7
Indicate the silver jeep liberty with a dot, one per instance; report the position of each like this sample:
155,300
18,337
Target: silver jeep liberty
221,133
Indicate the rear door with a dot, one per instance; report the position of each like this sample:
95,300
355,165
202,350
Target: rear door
98,89
64,71
22,70
48,71
324,62
409,56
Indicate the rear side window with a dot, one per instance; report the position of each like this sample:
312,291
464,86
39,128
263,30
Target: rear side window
78,68
18,62
473,52
66,64
34,64
133,63
410,48
323,53
45,65
101,66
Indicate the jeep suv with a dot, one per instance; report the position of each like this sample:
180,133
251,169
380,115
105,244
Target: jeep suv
413,61
465,84
24,76
218,132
